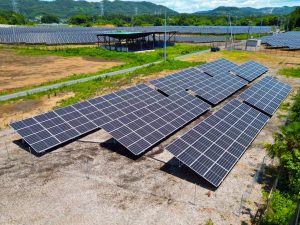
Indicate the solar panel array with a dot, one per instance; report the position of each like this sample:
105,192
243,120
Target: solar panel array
214,146
139,117
218,67
57,127
141,129
48,130
199,39
267,94
290,40
250,70
212,89
87,35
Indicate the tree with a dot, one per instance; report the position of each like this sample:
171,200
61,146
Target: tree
295,19
49,19
81,19
8,17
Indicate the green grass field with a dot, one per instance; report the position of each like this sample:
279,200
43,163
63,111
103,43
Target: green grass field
290,72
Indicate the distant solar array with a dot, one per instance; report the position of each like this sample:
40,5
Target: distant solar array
214,146
290,40
199,39
81,35
204,29
267,94
142,116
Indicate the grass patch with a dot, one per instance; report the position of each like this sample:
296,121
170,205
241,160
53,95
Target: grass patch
131,59
290,72
105,85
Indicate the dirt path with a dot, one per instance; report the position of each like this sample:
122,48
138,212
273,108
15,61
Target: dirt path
17,71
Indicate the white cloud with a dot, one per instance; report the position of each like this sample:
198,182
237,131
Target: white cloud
200,5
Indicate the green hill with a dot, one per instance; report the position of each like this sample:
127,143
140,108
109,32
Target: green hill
247,11
68,8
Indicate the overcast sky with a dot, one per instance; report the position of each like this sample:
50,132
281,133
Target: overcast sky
200,5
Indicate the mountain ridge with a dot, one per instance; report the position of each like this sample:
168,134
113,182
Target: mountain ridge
247,11
67,8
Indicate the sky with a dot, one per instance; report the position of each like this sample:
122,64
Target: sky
190,6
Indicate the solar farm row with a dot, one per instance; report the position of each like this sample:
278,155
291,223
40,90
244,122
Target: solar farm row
195,39
290,40
214,146
140,117
78,35
104,112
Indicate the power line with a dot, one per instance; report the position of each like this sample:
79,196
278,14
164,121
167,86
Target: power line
101,8
15,7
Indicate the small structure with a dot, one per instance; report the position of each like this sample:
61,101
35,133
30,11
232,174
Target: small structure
135,41
252,44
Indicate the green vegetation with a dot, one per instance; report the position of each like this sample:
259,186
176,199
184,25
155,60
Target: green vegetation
67,8
295,20
49,19
287,148
8,17
281,209
241,12
130,13
108,84
130,59
209,222
290,72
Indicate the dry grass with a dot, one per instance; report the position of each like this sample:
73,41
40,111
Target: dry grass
272,61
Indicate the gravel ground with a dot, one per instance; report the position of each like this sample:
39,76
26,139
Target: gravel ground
96,181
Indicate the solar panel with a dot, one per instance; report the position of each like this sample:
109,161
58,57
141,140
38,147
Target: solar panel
250,70
51,129
214,146
212,89
267,94
141,129
128,106
218,67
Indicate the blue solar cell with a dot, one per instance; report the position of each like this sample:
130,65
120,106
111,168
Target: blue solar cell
219,141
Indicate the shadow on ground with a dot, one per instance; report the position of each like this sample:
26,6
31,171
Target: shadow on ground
183,172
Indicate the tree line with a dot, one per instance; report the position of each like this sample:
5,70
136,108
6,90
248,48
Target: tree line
287,22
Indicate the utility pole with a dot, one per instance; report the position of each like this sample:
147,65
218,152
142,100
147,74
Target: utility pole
165,40
288,24
231,39
101,8
15,7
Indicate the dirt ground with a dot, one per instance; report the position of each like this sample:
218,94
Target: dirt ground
23,109
95,181
18,71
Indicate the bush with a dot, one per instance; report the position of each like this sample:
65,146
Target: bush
280,211
49,19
